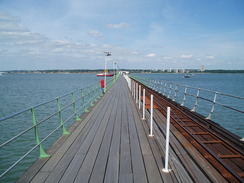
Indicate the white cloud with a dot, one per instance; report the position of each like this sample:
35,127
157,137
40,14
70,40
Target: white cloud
118,26
210,57
151,55
186,56
95,33
168,58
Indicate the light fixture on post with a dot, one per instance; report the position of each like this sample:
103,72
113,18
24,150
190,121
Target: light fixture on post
105,70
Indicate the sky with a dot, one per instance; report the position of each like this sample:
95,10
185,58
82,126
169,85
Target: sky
140,34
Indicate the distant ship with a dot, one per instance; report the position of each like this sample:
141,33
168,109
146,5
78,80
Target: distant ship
103,74
186,76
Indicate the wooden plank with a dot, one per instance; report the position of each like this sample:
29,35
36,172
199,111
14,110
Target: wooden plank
184,147
230,156
152,171
102,158
139,172
125,172
35,168
54,160
158,155
87,166
112,170
86,137
200,133
211,142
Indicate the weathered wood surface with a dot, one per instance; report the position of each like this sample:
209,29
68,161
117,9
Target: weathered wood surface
111,144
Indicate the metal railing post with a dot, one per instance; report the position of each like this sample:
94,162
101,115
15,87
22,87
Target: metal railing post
65,132
90,97
165,169
184,99
43,154
94,93
195,105
139,97
164,92
143,104
136,93
212,110
83,101
170,89
176,89
134,90
74,107
151,118
161,88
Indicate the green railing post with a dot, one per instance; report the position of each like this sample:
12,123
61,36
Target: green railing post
83,101
43,154
94,93
90,97
65,132
101,93
97,90
74,106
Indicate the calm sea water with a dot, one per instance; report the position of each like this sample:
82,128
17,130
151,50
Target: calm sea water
20,91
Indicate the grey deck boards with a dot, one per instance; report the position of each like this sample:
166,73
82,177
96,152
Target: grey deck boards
111,144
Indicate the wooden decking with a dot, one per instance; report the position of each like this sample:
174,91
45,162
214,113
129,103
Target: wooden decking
111,144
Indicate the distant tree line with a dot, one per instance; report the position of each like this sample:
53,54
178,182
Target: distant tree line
111,70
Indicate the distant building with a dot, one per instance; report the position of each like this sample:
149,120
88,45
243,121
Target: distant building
202,68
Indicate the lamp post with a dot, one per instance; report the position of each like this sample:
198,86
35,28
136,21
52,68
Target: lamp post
114,71
105,70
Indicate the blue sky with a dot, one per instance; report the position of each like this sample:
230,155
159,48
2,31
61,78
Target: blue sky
143,34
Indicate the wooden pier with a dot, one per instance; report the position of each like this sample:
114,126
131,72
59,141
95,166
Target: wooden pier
111,144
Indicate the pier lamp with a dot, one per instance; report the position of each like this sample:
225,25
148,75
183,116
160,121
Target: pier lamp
114,71
105,70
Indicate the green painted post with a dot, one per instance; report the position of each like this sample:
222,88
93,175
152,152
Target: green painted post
90,97
97,91
74,106
94,93
65,132
43,154
101,93
83,101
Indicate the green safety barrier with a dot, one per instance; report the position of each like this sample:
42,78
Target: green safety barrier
68,106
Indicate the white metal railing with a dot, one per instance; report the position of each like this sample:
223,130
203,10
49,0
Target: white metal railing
136,94
176,91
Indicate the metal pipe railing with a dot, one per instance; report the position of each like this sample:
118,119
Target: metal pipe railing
87,96
166,88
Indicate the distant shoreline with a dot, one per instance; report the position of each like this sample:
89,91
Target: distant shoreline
87,71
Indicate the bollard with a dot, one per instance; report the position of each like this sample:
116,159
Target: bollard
165,169
143,105
151,118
